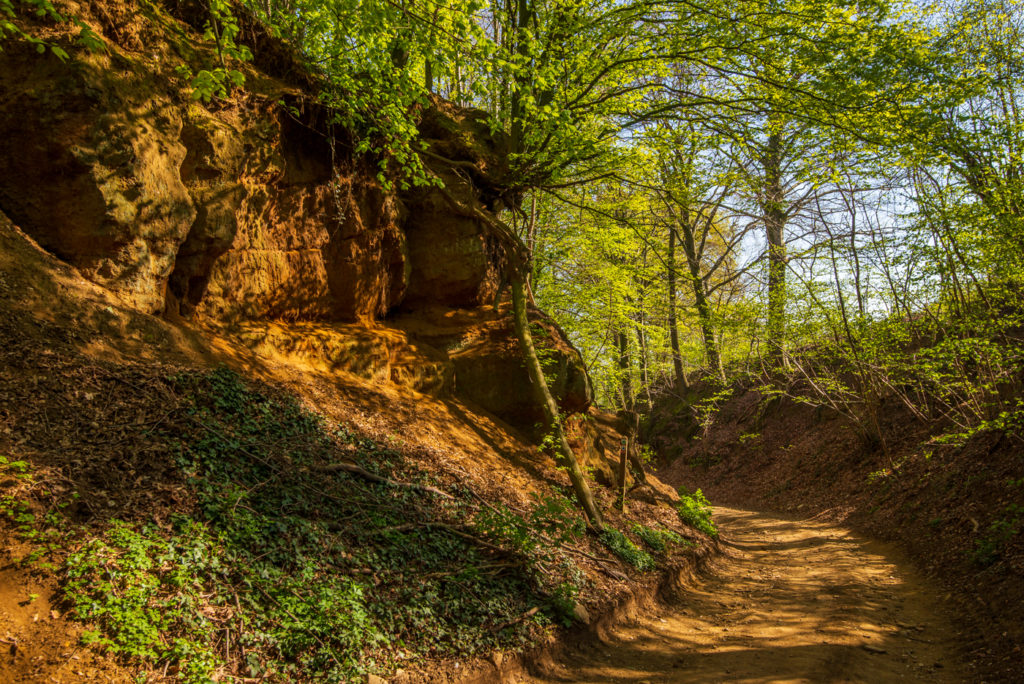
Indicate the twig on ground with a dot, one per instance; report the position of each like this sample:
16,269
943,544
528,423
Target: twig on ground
364,473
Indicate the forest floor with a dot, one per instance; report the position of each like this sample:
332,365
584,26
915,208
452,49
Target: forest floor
789,600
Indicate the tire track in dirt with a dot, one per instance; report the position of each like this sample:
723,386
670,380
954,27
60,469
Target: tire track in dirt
789,601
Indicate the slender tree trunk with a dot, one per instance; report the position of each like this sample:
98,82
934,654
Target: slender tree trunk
707,328
774,214
854,252
518,285
428,62
673,321
700,298
645,377
519,87
623,460
547,402
458,79
640,324
839,293
518,270
625,369
531,244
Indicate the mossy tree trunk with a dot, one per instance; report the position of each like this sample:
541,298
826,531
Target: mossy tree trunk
775,217
565,456
519,260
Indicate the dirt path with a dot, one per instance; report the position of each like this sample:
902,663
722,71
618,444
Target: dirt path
791,601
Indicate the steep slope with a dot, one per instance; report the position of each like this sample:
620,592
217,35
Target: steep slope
115,432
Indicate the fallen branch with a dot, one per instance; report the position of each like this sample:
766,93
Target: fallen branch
614,574
597,559
525,616
373,477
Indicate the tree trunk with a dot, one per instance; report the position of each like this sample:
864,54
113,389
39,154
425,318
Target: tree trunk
640,325
547,402
673,323
707,328
625,369
700,299
645,373
531,244
623,460
774,215
519,87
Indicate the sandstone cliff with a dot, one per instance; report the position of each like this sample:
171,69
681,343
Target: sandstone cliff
252,218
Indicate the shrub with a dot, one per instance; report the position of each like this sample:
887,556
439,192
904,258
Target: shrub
989,548
695,510
621,546
657,540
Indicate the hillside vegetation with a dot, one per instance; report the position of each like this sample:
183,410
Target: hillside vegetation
198,523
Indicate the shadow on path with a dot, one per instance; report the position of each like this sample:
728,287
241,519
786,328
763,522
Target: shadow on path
789,601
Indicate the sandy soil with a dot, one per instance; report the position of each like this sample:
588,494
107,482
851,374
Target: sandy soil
790,601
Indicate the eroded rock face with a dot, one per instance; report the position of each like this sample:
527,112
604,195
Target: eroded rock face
453,261
596,439
492,374
281,235
211,171
250,216
489,367
96,184
228,214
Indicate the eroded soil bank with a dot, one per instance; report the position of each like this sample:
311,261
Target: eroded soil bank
789,600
